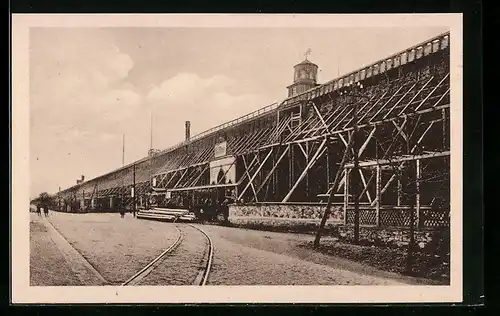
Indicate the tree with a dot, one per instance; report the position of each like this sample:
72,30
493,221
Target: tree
45,200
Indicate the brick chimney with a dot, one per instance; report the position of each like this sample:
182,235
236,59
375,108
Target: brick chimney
188,130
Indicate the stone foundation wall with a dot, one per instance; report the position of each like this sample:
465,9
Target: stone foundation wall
305,218
282,217
283,211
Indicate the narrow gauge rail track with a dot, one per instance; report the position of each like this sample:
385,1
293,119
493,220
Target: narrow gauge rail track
206,271
201,278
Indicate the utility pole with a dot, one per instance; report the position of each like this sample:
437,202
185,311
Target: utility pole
338,66
123,151
151,132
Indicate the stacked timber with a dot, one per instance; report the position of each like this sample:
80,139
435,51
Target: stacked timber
158,213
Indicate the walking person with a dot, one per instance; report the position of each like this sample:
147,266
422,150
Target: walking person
225,210
46,211
202,216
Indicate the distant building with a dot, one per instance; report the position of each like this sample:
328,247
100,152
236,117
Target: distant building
78,181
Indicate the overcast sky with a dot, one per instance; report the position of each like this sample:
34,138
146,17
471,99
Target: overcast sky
88,87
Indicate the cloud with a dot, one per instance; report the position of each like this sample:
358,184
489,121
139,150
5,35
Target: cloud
80,105
82,102
78,77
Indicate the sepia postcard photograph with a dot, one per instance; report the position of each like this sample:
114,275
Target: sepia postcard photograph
237,158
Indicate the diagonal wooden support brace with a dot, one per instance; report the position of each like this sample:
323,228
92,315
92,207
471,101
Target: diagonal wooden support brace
430,93
243,177
367,141
400,130
302,149
313,160
247,173
319,115
365,184
384,189
422,137
250,182
194,178
180,179
273,168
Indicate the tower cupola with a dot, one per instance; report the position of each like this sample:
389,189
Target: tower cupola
305,77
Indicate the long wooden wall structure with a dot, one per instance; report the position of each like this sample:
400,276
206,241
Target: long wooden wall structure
290,153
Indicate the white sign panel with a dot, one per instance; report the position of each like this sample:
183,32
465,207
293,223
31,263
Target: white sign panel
154,181
132,192
220,149
223,169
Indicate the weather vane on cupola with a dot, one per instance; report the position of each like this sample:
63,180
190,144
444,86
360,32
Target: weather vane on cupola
307,53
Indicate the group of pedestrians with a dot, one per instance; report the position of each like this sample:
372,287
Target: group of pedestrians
45,210
210,211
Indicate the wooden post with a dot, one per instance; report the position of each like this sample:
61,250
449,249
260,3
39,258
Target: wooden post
412,203
328,150
400,188
307,174
290,166
355,170
274,176
417,186
445,127
378,194
346,193
326,214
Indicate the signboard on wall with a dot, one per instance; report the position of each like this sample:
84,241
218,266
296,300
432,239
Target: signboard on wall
220,149
223,169
154,181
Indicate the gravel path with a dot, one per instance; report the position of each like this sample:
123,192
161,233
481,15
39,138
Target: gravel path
116,247
48,266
